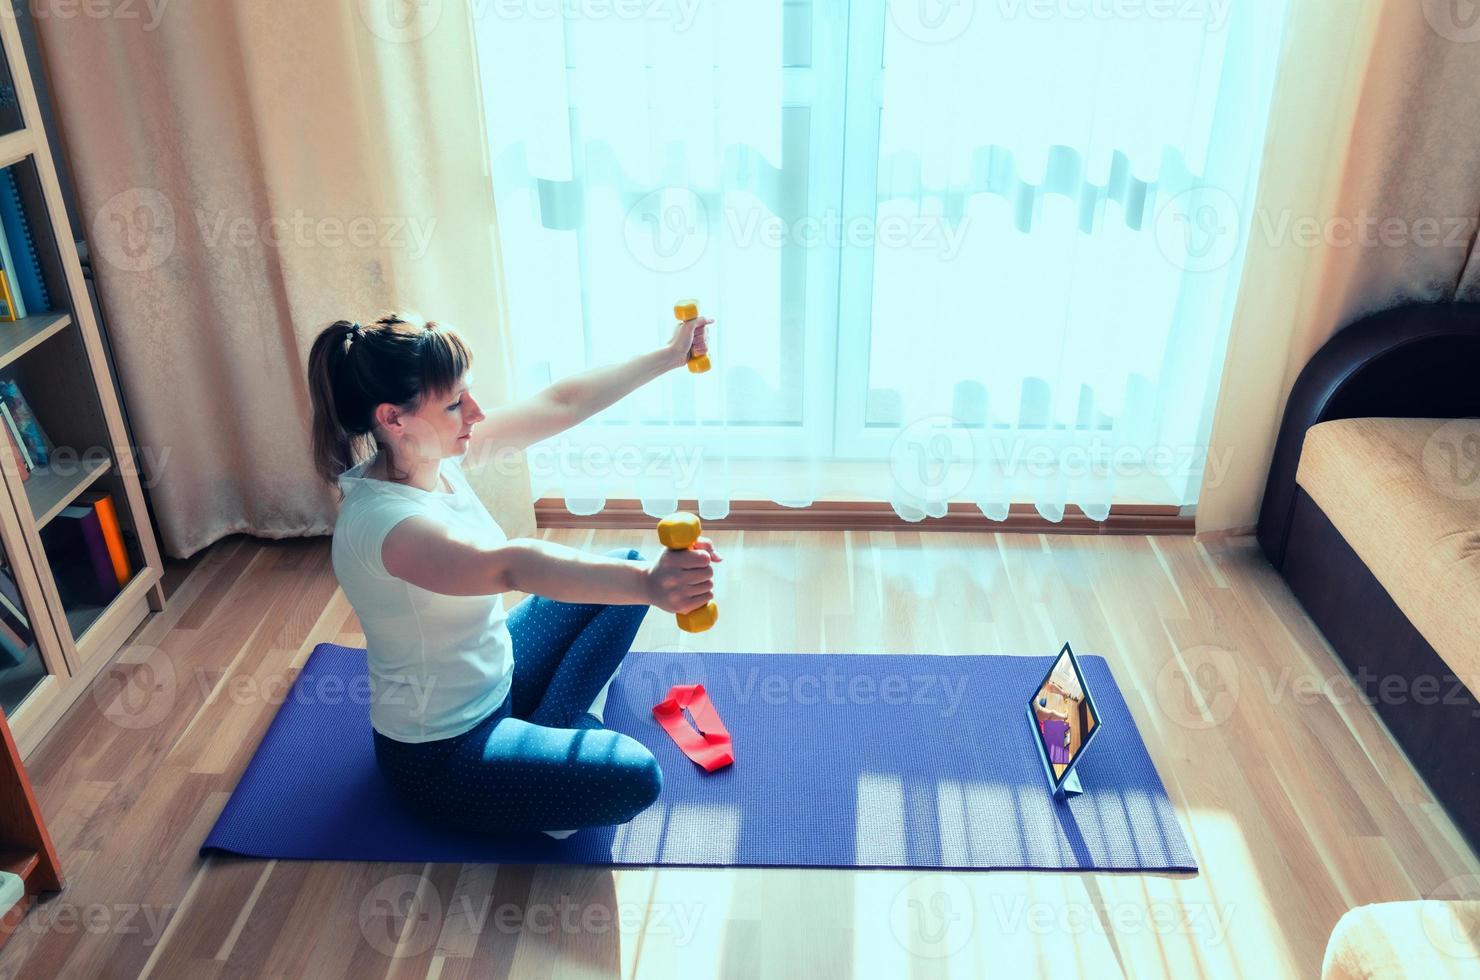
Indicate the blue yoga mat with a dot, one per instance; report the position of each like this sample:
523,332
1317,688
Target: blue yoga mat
842,761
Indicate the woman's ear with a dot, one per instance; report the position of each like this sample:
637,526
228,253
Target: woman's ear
387,415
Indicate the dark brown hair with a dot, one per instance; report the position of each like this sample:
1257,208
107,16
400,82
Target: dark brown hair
399,358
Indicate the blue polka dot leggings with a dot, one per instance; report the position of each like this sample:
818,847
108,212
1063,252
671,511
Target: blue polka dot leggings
539,761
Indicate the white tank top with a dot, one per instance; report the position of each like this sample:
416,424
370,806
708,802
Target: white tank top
438,663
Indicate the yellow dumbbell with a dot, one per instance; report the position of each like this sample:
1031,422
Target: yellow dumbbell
678,532
686,310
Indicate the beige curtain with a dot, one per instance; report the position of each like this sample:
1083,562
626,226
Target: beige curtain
1370,196
251,170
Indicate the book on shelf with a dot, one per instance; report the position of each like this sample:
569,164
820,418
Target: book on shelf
16,636
32,438
101,501
10,301
78,553
18,452
32,294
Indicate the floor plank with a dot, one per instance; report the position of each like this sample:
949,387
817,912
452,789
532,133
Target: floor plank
1297,802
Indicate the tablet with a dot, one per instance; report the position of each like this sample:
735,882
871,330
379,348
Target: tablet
1064,721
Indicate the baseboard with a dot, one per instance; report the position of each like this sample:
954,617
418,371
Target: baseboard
851,515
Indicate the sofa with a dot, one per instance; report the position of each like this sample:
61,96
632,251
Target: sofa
1371,513
1422,940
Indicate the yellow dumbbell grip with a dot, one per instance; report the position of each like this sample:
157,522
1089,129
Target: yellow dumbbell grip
688,309
678,532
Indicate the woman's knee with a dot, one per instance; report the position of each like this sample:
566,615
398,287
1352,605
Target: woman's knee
641,779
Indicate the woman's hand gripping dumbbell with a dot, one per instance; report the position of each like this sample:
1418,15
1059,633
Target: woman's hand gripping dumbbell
681,579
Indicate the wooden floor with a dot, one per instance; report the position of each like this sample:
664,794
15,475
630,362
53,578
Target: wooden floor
1297,804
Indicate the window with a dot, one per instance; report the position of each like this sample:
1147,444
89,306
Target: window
929,231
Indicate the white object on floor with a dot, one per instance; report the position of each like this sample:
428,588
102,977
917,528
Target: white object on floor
560,834
12,890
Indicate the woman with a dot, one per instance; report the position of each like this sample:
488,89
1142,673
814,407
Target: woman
483,720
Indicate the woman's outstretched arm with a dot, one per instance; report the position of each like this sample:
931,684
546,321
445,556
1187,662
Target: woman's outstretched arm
423,552
572,400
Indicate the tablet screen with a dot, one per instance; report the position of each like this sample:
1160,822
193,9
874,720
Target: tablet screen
1064,714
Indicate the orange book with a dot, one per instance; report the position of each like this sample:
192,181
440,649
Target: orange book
102,502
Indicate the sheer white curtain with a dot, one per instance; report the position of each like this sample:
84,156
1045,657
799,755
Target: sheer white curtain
978,252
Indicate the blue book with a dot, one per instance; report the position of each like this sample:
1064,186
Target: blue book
27,270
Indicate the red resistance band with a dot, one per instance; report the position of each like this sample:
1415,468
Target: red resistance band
710,745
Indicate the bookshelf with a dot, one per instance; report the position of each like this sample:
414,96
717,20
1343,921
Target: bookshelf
79,564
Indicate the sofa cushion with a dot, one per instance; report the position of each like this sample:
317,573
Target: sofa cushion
1393,940
1405,494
